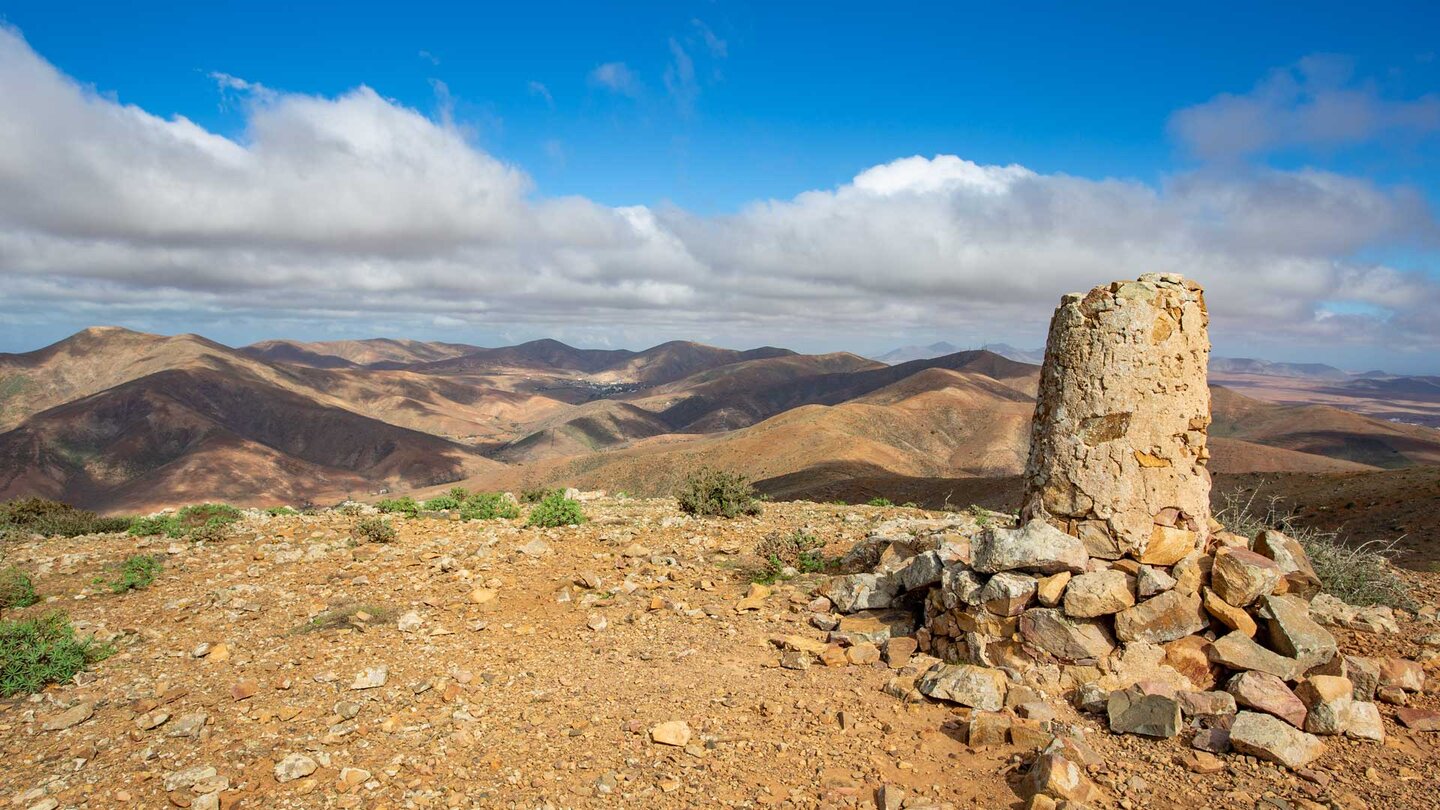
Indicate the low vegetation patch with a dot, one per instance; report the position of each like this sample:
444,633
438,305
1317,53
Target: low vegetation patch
399,506
879,502
489,506
137,572
16,589
350,616
799,550
374,530
1359,575
280,511
42,516
539,494
712,492
556,510
197,522
42,650
444,503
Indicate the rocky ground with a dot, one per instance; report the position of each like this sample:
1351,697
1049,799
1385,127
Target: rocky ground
619,663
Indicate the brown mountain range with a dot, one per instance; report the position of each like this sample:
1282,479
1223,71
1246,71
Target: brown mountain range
121,420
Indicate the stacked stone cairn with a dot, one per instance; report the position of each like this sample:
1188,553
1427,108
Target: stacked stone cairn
1118,587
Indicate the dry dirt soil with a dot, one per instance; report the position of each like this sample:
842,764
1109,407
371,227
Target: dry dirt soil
526,667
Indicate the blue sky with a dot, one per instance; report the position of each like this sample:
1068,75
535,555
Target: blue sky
702,112
803,95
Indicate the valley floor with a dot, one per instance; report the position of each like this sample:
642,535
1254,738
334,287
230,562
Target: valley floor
526,668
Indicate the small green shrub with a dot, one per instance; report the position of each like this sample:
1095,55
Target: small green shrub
399,506
16,589
197,522
879,502
212,531
374,530
444,503
488,506
280,511
159,524
1359,575
709,491
43,650
54,519
459,493
556,510
799,550
202,513
540,494
138,571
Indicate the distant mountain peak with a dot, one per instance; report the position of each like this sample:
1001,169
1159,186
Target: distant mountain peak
1250,365
907,354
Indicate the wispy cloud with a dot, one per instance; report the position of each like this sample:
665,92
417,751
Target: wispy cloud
680,79
616,77
233,88
1317,103
429,57
539,89
715,45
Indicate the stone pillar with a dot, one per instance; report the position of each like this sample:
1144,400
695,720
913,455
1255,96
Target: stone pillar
1117,448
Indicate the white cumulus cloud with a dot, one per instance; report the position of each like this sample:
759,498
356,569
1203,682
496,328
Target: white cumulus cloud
357,209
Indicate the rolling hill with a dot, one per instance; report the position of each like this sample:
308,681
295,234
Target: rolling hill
352,353
143,442
121,420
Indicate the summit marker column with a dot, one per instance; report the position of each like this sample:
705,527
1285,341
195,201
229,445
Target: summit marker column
1118,445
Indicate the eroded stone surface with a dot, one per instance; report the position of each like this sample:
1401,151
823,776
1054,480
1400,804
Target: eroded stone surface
1118,445
979,687
1163,618
1036,546
1069,640
1263,736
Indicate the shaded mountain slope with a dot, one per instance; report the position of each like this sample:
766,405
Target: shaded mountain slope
732,401
951,423
1322,430
653,366
584,429
132,444
349,353
89,361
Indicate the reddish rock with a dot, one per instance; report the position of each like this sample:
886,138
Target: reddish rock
1188,657
1240,576
1419,719
1402,673
1269,694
